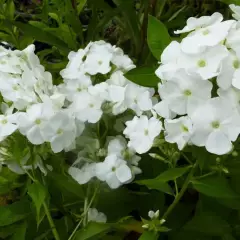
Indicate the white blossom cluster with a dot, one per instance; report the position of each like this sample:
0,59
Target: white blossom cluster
200,84
199,99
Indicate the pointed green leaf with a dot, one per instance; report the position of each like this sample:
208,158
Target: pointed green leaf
157,36
20,232
172,174
14,212
208,223
149,236
214,186
156,184
93,229
42,36
144,76
38,194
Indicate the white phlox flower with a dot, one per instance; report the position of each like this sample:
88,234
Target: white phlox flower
178,131
7,121
141,132
95,216
236,11
230,72
215,126
200,23
184,93
60,131
32,122
118,146
114,171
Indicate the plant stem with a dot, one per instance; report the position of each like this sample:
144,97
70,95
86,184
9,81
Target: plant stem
84,212
181,193
51,223
161,8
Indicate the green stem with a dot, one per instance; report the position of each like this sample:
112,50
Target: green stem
84,213
51,223
161,8
180,194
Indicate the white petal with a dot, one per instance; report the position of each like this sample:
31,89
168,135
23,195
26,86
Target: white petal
123,173
218,143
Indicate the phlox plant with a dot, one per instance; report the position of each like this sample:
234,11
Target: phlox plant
99,140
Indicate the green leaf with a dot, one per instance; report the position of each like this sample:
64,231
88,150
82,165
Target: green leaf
157,36
80,6
66,183
93,229
144,76
156,184
10,9
172,174
149,236
38,194
14,212
20,232
42,36
214,186
208,223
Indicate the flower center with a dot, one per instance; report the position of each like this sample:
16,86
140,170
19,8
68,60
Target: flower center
236,64
38,121
187,92
145,132
91,105
15,87
215,124
113,169
59,131
206,32
184,128
4,121
100,62
202,63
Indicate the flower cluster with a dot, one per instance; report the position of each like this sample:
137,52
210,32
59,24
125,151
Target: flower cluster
200,87
199,100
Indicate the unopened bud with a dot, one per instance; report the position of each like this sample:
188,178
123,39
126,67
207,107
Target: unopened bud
145,226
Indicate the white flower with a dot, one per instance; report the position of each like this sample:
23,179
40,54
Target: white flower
72,87
114,171
142,131
74,68
95,216
33,121
84,174
60,131
118,146
202,22
230,72
213,35
233,38
163,110
232,95
170,60
236,11
207,64
178,131
116,91
98,58
87,107
138,98
215,126
122,61
184,92
7,122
